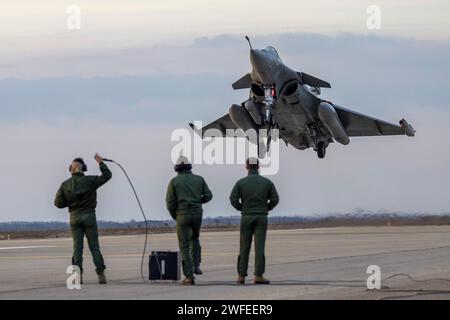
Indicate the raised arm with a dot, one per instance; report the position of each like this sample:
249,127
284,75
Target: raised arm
104,177
106,173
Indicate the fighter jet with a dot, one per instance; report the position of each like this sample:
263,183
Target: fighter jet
288,100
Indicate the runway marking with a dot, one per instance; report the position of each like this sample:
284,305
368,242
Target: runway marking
124,255
36,257
26,247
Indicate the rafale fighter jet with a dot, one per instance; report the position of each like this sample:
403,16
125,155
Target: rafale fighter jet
287,100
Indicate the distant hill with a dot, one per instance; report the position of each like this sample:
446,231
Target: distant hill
347,219
56,225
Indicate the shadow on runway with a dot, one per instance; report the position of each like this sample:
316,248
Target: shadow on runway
386,291
199,283
412,293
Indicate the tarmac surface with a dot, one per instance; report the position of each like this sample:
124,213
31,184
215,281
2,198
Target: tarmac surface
328,263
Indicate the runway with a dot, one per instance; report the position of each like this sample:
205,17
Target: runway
324,263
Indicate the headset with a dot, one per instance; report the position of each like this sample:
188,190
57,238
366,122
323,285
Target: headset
80,161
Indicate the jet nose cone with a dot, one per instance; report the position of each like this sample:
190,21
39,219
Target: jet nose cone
256,57
261,66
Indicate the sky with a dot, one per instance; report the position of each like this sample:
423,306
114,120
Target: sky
136,71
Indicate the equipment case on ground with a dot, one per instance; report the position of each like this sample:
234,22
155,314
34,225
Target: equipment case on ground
164,265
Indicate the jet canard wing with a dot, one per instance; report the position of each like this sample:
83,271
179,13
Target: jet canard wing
244,82
313,81
220,125
357,124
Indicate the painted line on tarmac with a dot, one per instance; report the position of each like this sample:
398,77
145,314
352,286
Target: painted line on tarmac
26,247
124,255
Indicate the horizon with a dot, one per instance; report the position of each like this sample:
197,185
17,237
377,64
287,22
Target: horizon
354,214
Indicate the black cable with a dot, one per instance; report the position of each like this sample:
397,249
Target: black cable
414,280
143,214
414,292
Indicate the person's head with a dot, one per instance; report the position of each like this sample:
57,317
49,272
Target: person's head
182,164
252,164
77,165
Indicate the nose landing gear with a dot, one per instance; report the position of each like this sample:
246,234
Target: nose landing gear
319,146
321,149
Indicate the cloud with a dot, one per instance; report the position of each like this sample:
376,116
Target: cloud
144,99
228,55
363,70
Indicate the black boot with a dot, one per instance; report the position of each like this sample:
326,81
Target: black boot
101,278
197,270
188,282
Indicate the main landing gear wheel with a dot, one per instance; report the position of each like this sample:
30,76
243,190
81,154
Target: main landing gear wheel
321,149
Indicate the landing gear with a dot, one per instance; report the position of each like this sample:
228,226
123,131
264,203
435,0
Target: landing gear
321,149
314,133
262,148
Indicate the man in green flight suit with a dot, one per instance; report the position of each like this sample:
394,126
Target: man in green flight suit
254,196
79,194
184,198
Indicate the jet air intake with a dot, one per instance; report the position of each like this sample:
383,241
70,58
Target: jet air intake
289,92
257,90
290,88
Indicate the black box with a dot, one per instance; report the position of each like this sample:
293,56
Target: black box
164,265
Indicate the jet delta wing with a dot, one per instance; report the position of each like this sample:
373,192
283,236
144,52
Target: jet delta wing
221,124
358,125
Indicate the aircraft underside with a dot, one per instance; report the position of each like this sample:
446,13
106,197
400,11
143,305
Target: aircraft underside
299,128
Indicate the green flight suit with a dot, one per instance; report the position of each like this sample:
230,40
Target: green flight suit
184,198
79,194
254,196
